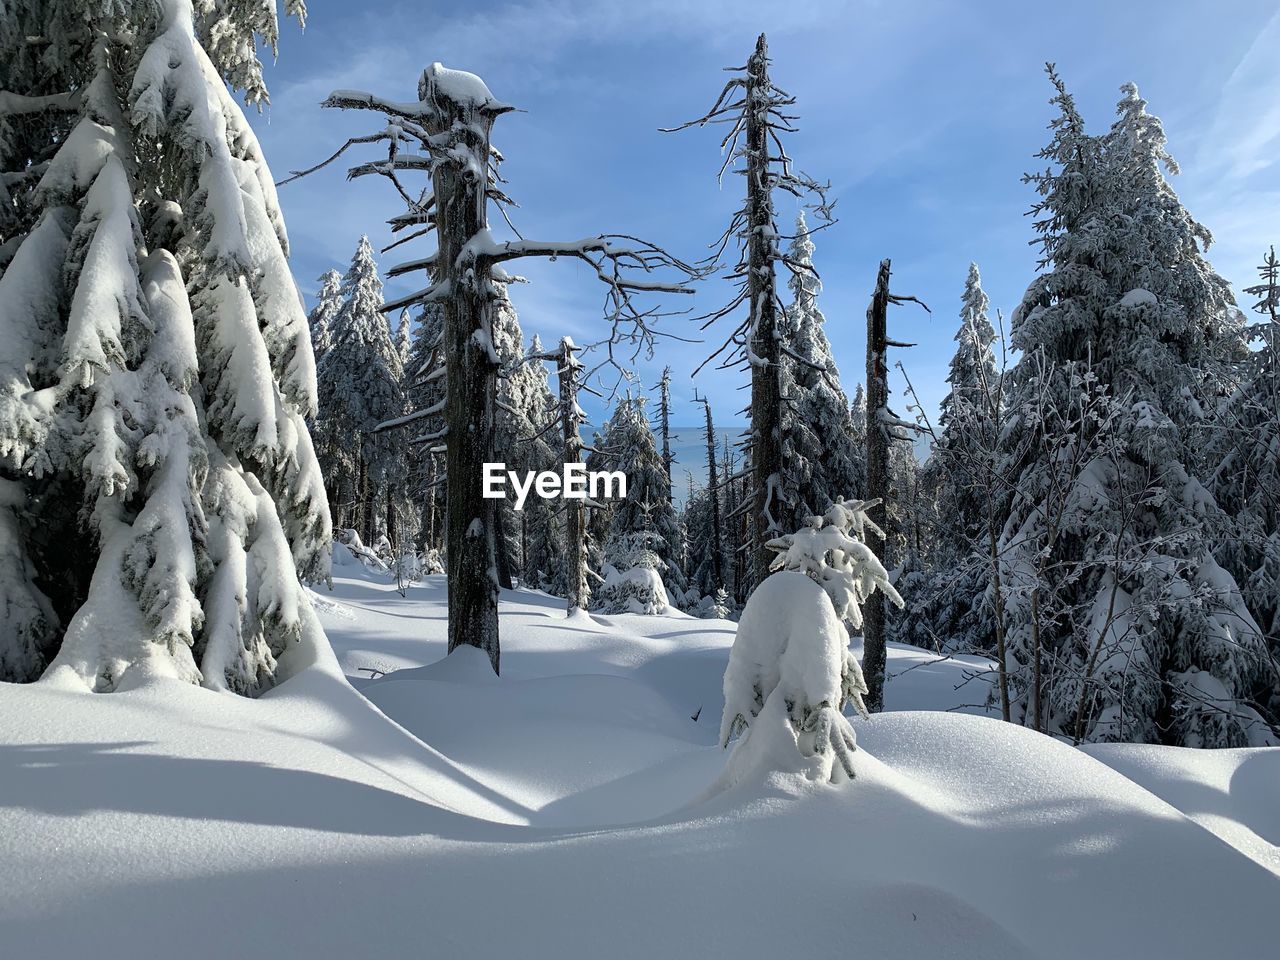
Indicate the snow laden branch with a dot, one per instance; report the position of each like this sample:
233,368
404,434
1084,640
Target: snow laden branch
791,673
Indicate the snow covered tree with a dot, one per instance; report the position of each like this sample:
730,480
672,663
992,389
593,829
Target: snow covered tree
755,110
1246,482
404,340
159,496
628,445
1120,623
449,131
542,559
324,313
360,387
424,395
820,457
633,572
791,672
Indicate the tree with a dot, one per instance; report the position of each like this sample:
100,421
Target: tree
790,671
543,559
360,387
820,459
633,574
1246,481
1121,625
159,496
451,124
884,429
324,313
755,110
628,445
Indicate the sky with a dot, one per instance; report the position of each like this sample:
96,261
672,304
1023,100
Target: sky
924,116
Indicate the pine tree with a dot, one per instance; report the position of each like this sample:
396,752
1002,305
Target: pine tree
1121,625
404,340
360,387
1246,482
159,495
628,445
323,314
957,481
821,462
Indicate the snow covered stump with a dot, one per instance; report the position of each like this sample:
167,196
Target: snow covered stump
791,672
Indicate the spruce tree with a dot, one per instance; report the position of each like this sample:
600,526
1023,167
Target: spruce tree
360,387
1246,481
1121,624
821,462
323,314
159,496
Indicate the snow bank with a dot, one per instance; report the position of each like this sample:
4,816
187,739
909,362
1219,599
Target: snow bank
173,819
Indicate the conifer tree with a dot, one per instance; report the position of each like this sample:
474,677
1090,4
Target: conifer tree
821,462
323,314
1121,624
159,496
360,387
1246,482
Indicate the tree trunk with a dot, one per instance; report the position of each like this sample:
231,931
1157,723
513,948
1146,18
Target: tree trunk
763,348
575,528
502,551
471,373
713,495
873,627
364,508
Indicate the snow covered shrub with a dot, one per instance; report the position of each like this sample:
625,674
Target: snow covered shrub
791,672
716,606
633,577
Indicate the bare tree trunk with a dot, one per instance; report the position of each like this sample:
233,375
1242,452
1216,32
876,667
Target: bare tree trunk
998,598
713,496
664,413
575,528
470,377
763,349
501,546
364,505
873,626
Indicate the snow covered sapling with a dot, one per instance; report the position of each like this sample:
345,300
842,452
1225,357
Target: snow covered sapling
791,672
633,576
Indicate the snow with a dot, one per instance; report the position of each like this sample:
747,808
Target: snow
565,809
1138,298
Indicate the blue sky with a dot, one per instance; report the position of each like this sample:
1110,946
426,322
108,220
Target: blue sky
923,115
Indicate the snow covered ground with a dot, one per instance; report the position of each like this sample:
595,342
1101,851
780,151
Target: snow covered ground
565,810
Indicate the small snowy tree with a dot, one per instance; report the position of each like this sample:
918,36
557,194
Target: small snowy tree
323,314
628,445
360,386
791,672
632,572
821,458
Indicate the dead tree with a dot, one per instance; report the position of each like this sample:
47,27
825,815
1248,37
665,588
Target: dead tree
448,130
882,426
569,371
713,497
664,420
755,110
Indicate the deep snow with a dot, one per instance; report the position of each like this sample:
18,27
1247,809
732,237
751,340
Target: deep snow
573,808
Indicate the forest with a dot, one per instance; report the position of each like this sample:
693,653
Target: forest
869,645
